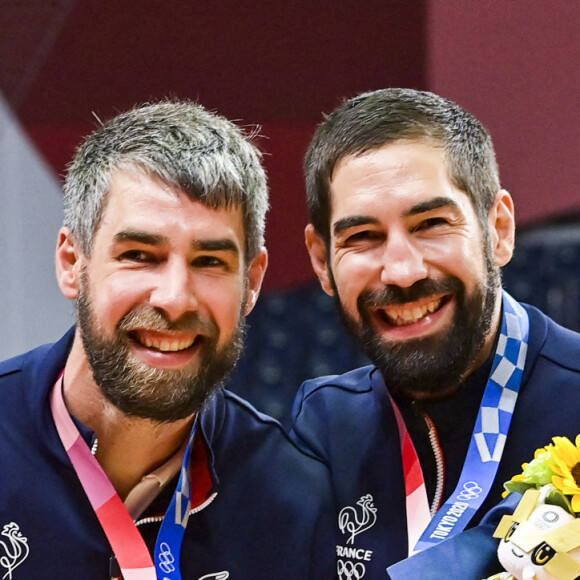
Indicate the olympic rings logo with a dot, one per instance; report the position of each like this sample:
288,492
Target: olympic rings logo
471,490
166,558
349,570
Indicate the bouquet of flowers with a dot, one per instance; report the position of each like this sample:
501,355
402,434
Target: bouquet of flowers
556,465
541,540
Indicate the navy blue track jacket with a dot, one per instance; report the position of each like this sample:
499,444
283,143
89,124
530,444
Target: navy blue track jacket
348,420
262,508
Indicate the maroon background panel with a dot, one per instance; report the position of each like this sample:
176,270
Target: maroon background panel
282,64
275,64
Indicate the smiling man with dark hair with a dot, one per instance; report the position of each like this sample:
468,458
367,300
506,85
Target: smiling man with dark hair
409,229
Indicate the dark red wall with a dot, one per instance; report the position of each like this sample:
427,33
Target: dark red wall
281,64
516,65
274,64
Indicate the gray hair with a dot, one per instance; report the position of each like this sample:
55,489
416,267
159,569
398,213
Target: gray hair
372,120
187,147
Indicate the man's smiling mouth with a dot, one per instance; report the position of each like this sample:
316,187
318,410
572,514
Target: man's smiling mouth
411,313
164,343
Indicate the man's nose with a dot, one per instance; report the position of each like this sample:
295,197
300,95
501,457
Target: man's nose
403,263
174,291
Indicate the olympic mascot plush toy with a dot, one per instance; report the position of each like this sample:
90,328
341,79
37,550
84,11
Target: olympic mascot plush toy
541,540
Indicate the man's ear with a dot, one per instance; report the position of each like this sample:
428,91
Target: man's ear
68,263
317,250
502,228
255,275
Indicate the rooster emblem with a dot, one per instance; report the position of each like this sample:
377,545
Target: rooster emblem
354,521
15,551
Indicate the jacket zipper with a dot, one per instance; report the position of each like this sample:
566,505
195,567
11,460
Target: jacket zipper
201,506
439,464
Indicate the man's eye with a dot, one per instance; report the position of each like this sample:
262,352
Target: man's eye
362,236
135,256
208,262
431,223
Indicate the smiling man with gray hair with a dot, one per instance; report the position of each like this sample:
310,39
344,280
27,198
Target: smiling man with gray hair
122,455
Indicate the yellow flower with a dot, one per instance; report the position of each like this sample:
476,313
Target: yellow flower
565,463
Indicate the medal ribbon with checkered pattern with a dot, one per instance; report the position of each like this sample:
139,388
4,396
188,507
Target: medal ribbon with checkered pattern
127,543
487,441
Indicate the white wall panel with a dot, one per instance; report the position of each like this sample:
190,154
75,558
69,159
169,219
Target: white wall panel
32,309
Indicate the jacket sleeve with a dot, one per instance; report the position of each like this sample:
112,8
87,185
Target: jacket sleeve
471,555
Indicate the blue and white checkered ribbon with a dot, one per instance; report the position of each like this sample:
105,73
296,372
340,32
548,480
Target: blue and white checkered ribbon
490,431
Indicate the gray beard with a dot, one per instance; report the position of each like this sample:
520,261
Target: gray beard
162,395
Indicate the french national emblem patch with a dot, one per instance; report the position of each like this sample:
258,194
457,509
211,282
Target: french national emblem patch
14,550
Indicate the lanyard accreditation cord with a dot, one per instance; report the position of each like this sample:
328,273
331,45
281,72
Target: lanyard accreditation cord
486,446
127,543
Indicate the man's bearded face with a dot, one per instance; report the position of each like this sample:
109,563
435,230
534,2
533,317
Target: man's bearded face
154,393
438,362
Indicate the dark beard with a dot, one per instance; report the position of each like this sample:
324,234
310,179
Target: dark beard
162,395
434,365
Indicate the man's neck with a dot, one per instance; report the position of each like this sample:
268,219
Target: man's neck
130,450
128,447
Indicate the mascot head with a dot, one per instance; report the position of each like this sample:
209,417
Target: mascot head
541,540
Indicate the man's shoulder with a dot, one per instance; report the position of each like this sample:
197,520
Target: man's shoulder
335,403
230,419
354,381
12,365
19,362
39,366
238,408
558,344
